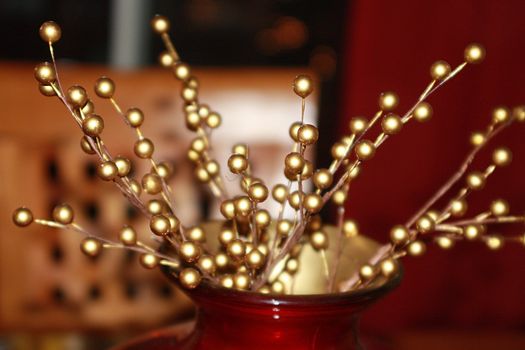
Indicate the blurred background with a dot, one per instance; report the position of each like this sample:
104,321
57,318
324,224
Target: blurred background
246,54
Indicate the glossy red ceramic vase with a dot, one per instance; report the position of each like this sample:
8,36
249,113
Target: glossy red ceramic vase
230,319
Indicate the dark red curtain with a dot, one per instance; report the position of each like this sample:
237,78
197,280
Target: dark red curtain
390,45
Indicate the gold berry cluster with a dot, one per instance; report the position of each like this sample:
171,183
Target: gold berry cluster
252,241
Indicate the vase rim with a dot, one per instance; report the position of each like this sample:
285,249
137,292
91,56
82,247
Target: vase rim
208,290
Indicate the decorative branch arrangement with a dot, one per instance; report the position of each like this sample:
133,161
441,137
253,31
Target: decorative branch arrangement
253,242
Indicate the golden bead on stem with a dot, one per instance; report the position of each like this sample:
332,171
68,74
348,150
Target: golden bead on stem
76,96
149,261
237,163
190,251
93,125
499,207
322,179
365,150
152,183
319,240
423,112
476,180
160,24
294,162
312,202
474,53
358,125
280,193
50,32
350,228
502,156
63,214
236,249
22,217
189,278
425,224
128,236
303,86
391,124
135,117
107,170
308,134
388,101
159,225
399,235
104,87
500,114
45,74
439,70
144,148
417,248
91,247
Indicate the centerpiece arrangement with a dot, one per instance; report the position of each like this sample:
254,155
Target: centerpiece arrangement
265,279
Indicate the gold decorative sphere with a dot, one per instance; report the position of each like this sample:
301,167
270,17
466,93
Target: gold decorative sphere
494,242
474,53
294,162
358,125
472,231
155,206
339,197
423,112
22,217
86,146
365,150
322,179
63,214
174,223
164,170
93,125
389,267
280,193
189,278
391,124
50,32
237,163
134,117
262,218
207,264
283,227
366,272
91,247
226,236
477,138
292,266
293,131
160,225
149,261
190,251
444,242
458,207
303,86
152,183
166,59
294,199
258,192
76,96
339,150
213,120
277,287
160,24
399,235
46,90
107,170
226,281
518,113
144,148
241,280
135,187
255,259
313,203
308,134
417,248
350,228
181,71
388,101
502,156
240,148
196,234
439,70
128,236
476,180
189,95
227,209
89,108
500,114
319,240
425,224
236,249
499,207
243,206
45,74
104,87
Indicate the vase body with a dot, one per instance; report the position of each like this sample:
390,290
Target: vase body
228,319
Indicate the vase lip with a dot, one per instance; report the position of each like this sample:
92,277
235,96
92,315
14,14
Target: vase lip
207,290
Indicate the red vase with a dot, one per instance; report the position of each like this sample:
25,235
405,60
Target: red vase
230,319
